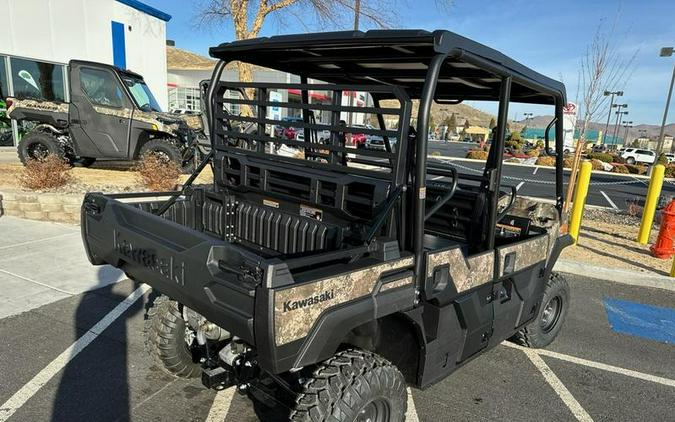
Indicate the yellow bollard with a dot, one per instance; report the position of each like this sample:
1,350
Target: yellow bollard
580,194
672,269
653,194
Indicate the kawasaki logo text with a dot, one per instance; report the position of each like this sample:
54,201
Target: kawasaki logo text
292,305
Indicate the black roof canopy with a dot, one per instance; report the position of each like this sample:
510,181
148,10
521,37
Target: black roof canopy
472,71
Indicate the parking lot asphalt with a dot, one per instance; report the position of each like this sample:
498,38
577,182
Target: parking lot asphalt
591,372
605,190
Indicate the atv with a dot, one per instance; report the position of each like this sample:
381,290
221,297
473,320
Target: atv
112,114
322,284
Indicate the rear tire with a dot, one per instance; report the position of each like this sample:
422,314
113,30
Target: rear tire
167,149
165,339
37,145
552,313
353,384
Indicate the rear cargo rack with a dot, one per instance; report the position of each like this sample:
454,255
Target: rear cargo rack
320,133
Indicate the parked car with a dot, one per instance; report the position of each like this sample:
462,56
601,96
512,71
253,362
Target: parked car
376,142
287,132
599,148
636,155
670,156
183,111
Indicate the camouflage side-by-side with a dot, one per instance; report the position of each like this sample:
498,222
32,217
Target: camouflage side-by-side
53,106
466,273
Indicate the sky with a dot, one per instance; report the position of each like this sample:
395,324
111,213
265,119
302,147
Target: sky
548,36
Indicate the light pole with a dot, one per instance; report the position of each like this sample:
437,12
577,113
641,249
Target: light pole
527,119
619,114
626,125
666,52
611,106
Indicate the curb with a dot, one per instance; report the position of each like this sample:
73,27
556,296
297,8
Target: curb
631,278
602,173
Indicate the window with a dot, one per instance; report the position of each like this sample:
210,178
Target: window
37,80
141,94
5,123
101,87
184,99
4,86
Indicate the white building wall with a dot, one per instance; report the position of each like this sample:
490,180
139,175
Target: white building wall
145,38
61,30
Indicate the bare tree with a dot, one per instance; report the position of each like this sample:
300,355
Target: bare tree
602,68
248,16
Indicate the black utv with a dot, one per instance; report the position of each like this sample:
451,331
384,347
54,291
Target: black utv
321,284
112,114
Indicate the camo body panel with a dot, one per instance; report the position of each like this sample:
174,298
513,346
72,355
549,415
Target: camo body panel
397,283
527,253
466,273
294,324
51,106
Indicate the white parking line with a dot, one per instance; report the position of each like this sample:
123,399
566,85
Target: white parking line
8,408
411,413
520,185
30,242
609,368
597,365
609,200
558,387
221,405
535,170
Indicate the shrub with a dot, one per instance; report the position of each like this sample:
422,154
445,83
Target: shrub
515,136
513,144
602,156
157,173
597,164
546,161
540,144
477,154
436,154
617,159
533,153
620,168
670,171
662,159
50,172
567,163
636,169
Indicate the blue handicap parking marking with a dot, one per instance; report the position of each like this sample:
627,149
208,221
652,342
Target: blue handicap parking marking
636,319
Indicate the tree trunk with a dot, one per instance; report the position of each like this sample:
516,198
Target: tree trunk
246,75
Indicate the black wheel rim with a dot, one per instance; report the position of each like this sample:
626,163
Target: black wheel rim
161,155
376,410
551,313
38,151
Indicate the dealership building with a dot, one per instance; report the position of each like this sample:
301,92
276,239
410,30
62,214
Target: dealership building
39,37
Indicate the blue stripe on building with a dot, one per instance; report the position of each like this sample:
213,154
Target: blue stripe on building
119,45
142,7
636,319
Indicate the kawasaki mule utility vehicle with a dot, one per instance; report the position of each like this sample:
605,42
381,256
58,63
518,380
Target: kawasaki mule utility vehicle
321,284
112,114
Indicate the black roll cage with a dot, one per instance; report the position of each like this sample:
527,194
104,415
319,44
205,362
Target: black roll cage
492,176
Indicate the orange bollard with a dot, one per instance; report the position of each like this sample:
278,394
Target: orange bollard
663,248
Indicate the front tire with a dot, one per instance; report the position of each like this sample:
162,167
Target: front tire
630,160
354,385
168,150
166,335
552,313
36,145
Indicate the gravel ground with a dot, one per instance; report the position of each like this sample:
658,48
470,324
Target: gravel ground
117,179
608,239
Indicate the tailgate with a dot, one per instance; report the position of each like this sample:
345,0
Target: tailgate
194,268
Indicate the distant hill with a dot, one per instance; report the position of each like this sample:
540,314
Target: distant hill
440,112
541,122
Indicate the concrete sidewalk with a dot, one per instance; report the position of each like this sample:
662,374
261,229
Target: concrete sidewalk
42,262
